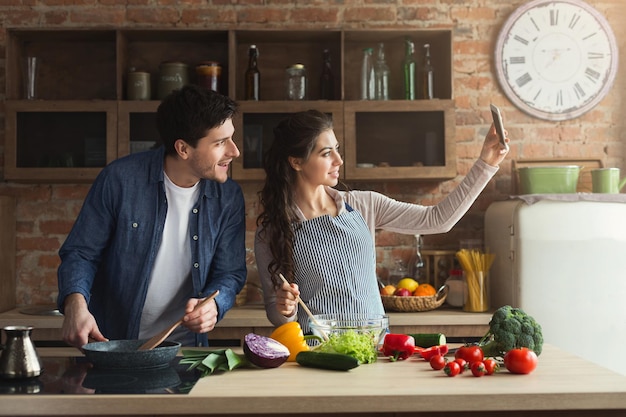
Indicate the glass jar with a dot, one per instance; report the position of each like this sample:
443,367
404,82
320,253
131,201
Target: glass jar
209,75
456,288
296,82
172,76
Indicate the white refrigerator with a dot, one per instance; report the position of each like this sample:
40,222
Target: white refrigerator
564,263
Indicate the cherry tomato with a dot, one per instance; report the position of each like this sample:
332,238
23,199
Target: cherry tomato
470,353
437,362
478,368
452,369
462,363
491,366
520,360
434,350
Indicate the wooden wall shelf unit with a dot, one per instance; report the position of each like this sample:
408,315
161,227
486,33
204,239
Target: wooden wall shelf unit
82,120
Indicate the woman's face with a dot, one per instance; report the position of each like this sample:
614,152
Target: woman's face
322,167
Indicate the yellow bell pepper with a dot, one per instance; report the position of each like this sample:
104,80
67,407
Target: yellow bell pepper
291,335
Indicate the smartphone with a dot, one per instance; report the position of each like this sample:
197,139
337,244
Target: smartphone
497,121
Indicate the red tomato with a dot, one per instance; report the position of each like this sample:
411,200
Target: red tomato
437,362
478,369
462,363
434,350
520,361
491,366
470,353
452,369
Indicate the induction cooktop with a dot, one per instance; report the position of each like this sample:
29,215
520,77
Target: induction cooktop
76,375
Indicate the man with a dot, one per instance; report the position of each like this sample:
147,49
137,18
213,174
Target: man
158,232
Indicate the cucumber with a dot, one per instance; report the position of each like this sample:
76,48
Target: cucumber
326,360
426,340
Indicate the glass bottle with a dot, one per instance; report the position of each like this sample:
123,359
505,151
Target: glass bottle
417,270
327,80
367,75
381,74
397,273
408,67
426,76
253,75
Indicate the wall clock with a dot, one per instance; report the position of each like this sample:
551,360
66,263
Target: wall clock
556,59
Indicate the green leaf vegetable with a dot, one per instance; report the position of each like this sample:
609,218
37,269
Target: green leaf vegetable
210,361
360,346
511,328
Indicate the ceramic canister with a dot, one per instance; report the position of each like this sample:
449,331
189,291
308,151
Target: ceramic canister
138,86
172,76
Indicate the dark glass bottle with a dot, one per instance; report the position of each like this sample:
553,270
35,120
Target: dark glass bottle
327,80
426,76
253,75
409,68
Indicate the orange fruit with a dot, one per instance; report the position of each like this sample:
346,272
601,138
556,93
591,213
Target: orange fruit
408,283
424,289
387,290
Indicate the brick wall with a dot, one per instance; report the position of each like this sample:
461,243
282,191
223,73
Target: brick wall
46,212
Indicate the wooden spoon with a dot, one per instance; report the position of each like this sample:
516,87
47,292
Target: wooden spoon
306,309
158,338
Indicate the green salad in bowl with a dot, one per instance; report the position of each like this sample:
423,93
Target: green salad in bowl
357,336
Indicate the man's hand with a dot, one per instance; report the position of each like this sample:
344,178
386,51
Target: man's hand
200,319
79,325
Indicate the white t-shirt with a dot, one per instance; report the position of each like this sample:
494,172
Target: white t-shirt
170,283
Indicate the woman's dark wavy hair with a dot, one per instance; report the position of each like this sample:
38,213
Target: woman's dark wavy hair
295,136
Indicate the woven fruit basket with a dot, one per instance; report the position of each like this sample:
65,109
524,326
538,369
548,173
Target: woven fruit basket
413,303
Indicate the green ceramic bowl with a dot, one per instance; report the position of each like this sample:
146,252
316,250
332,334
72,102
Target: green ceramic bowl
549,179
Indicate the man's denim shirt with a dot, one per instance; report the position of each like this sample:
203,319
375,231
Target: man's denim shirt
109,254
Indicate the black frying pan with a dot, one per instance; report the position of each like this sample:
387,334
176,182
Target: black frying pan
123,354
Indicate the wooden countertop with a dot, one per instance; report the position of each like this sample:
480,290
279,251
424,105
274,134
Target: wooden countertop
560,382
254,316
240,321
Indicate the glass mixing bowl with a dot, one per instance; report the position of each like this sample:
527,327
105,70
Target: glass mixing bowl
372,329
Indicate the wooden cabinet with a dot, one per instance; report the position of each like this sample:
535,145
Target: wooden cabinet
81,119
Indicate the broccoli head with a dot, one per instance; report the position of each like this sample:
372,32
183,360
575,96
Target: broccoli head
511,328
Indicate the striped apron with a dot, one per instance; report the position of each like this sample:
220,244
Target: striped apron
335,267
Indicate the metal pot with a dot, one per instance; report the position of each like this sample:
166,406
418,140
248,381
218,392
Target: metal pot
549,179
123,354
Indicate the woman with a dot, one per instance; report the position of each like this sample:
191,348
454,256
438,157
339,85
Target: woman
322,240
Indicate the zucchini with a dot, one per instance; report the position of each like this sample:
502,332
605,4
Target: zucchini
427,340
326,360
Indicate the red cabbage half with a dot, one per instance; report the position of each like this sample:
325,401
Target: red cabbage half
264,352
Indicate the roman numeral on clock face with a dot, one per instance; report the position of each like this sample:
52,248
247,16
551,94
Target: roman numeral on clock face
579,91
554,17
592,75
573,21
523,80
520,39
